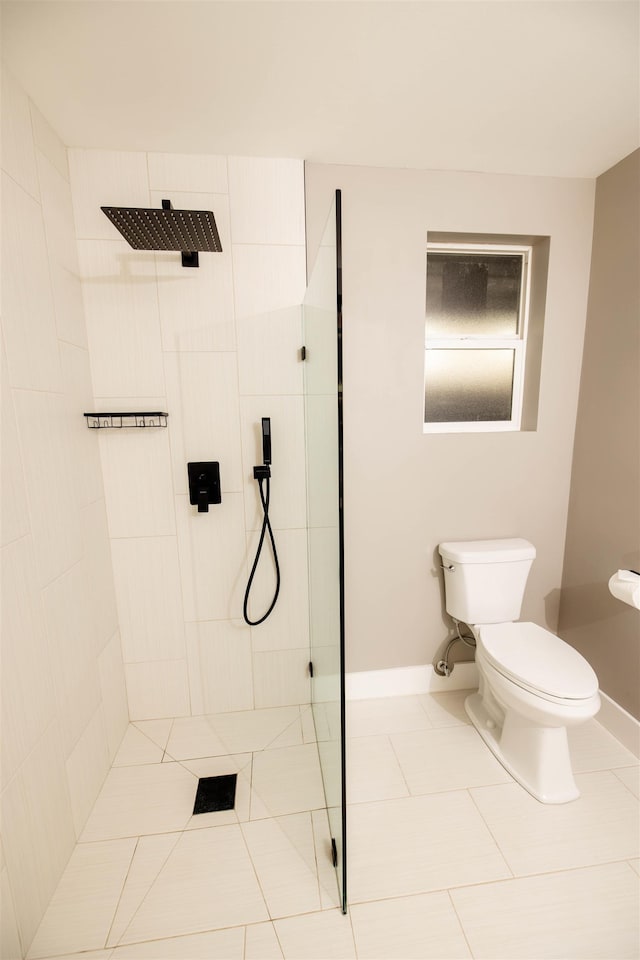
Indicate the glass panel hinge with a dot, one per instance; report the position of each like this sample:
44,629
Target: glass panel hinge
334,852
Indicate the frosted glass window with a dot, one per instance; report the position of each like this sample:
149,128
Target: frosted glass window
464,386
473,294
476,315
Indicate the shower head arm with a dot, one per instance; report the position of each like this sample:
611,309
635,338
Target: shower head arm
189,257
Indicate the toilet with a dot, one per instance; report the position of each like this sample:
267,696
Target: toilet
533,685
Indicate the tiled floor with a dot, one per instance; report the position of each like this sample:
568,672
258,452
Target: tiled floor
448,857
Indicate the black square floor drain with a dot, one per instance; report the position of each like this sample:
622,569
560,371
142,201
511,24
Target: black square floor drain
215,793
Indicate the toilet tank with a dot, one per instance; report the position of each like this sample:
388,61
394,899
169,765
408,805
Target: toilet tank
484,580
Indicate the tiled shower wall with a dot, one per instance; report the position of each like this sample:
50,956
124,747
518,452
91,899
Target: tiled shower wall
217,348
64,708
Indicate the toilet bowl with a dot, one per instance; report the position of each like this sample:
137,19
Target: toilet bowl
533,686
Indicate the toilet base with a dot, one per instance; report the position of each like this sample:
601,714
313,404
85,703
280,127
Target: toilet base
537,757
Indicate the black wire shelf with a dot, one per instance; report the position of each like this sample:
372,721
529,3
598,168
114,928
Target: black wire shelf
119,421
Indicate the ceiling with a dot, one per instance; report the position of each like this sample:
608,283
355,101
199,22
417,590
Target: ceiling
546,87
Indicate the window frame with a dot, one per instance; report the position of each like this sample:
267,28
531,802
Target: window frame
517,342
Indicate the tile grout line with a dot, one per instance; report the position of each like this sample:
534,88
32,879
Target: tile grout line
179,835
460,923
124,883
490,831
255,872
400,767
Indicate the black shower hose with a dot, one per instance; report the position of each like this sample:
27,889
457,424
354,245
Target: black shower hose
266,527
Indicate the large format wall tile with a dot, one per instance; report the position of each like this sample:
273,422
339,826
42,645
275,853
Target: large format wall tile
212,558
152,323
28,316
38,836
267,278
269,352
99,572
64,706
156,329
288,625
74,652
10,947
84,452
157,688
49,143
114,693
123,324
220,670
281,677
147,580
105,178
47,455
28,699
57,213
62,250
86,767
15,515
196,305
288,506
202,397
191,172
137,482
267,200
18,154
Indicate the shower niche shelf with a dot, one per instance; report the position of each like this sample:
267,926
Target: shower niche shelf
119,421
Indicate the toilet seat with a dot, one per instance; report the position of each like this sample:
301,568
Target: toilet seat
538,661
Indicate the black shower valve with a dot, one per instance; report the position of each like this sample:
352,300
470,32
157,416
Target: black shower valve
204,484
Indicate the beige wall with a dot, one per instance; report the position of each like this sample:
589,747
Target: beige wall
404,491
603,532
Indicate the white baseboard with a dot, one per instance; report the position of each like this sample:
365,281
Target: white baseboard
405,681
620,724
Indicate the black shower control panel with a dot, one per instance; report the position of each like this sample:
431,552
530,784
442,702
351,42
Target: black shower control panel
204,484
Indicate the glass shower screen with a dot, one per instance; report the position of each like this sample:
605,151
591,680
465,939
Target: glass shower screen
322,319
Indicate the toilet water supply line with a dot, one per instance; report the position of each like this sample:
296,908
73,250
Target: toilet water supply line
443,667
263,475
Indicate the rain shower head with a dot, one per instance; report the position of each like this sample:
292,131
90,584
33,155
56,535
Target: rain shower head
167,229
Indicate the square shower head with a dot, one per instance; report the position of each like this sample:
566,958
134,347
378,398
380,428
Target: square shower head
166,229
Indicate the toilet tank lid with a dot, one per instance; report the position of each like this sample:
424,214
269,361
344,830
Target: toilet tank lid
487,551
